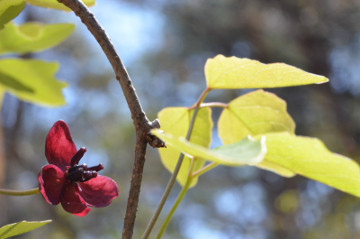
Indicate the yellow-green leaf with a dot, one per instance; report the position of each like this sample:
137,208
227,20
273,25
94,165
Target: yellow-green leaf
9,9
55,4
18,228
310,158
239,73
245,152
176,121
275,168
254,113
32,80
31,37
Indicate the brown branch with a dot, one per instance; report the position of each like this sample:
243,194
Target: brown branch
141,122
122,76
134,192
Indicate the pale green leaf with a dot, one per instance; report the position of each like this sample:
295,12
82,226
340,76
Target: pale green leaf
254,113
9,9
55,4
239,73
176,121
275,168
310,158
18,228
32,80
245,152
31,37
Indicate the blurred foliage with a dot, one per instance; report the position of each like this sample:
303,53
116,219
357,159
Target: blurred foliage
318,36
32,37
55,4
18,228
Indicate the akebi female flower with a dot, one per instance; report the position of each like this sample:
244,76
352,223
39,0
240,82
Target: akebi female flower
76,186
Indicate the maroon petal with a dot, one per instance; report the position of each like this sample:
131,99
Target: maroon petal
99,191
51,179
71,200
59,148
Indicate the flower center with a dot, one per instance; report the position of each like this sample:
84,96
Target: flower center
81,173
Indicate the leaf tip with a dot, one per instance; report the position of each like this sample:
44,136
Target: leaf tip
323,80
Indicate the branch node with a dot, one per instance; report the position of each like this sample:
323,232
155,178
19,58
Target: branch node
155,124
154,141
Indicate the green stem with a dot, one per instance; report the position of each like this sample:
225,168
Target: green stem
174,207
204,169
19,192
164,197
172,180
178,200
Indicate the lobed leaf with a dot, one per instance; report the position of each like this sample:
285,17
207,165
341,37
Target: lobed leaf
31,37
310,158
247,151
32,81
56,5
18,228
254,113
239,73
176,121
9,9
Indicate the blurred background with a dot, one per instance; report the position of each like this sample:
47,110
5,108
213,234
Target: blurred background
164,45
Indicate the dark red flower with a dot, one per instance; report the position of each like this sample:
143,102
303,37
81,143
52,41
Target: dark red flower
76,187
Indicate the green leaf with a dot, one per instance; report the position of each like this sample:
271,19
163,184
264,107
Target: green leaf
254,113
9,9
310,158
20,228
247,151
31,37
275,168
32,80
55,4
176,121
239,73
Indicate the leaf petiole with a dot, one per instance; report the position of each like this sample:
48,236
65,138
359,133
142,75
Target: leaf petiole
214,104
178,200
204,169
